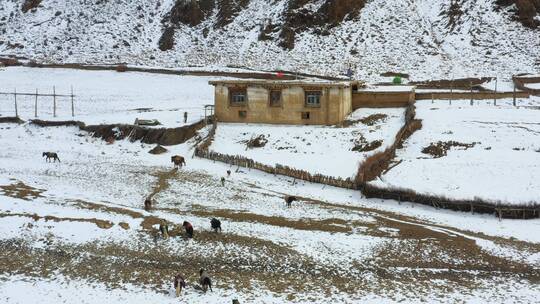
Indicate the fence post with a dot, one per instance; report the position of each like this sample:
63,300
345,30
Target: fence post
15,96
35,104
72,105
431,97
472,102
514,101
495,93
54,101
451,91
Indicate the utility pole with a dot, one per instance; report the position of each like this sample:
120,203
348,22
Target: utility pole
495,93
15,96
471,94
514,101
54,101
72,104
35,104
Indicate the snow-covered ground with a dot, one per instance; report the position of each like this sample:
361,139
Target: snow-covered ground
77,230
100,182
534,86
106,96
316,149
503,165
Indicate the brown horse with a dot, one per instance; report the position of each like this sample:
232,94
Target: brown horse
51,155
178,161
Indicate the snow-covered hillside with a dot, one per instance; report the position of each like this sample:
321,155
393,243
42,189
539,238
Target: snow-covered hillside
427,39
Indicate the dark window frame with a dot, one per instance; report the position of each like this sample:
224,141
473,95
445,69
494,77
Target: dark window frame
235,92
271,101
310,93
305,115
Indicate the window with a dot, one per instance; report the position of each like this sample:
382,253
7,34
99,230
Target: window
305,115
238,96
313,98
275,98
242,114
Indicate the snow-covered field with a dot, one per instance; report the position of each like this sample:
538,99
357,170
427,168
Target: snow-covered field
106,96
56,209
76,231
503,165
316,149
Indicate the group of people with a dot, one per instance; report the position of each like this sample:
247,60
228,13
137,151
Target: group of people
164,229
204,281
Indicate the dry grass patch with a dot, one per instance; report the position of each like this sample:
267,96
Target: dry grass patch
103,224
440,149
21,191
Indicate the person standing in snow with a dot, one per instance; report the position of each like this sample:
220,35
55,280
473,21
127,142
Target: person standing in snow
179,283
185,117
164,229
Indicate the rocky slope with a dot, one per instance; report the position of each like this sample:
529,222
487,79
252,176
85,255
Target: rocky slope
424,38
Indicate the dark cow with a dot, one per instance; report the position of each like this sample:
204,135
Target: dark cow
51,155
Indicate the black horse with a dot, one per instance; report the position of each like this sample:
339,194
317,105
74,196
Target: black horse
51,155
216,224
289,199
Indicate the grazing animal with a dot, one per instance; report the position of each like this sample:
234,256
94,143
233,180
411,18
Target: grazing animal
223,181
289,199
189,229
179,283
204,280
215,224
51,155
228,173
148,204
178,161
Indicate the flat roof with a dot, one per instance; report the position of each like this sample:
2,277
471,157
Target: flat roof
389,88
302,83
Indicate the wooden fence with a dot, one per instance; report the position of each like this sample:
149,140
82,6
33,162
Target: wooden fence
54,96
203,151
476,205
371,169
481,95
376,164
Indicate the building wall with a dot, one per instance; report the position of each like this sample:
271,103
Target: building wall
381,99
334,107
